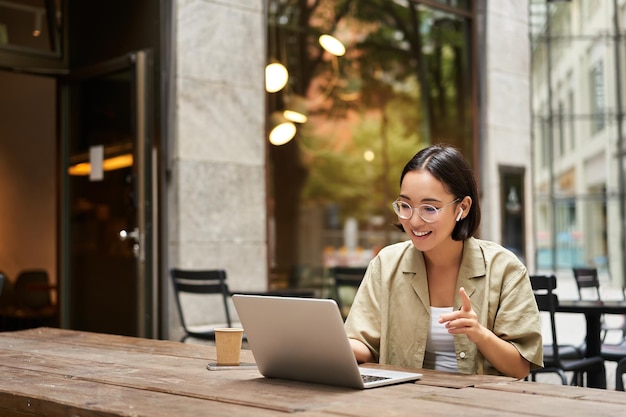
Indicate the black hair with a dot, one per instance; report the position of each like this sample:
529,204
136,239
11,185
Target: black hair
447,164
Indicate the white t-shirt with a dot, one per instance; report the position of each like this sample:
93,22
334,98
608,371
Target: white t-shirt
440,353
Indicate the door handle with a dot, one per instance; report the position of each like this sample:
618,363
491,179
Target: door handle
132,236
126,235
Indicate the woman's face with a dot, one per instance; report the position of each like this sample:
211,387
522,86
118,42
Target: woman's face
420,187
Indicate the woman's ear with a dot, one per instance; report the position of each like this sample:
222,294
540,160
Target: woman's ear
464,206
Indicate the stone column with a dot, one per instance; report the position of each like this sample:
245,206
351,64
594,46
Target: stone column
217,188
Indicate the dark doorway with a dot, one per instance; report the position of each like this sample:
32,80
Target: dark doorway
512,203
106,159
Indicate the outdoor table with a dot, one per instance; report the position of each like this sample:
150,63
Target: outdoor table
54,372
593,311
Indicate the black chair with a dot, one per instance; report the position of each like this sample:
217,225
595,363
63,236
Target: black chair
32,289
587,281
565,351
619,371
346,281
32,300
616,353
587,278
7,305
286,292
7,294
543,288
210,283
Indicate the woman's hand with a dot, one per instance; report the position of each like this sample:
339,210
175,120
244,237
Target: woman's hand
503,355
464,321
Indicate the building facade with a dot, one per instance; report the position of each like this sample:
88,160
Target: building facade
578,60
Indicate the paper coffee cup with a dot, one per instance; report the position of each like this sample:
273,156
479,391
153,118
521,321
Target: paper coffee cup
228,345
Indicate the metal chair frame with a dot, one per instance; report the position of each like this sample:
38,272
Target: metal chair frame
543,287
346,277
619,371
209,282
587,277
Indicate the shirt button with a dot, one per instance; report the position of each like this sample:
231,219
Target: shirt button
462,355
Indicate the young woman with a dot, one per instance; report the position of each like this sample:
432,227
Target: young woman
444,299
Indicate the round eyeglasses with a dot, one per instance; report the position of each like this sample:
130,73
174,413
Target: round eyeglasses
427,212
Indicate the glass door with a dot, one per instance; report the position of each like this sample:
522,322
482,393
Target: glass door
107,283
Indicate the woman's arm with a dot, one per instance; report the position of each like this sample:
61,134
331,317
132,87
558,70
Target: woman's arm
500,353
361,352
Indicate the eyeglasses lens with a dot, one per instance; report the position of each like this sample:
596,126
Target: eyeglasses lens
404,210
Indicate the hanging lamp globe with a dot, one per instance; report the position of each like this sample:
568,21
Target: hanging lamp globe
276,77
281,129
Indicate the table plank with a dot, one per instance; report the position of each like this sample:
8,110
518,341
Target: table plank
117,342
530,403
42,394
156,373
457,380
557,390
446,379
431,402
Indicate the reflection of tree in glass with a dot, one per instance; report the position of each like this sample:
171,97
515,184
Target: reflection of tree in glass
338,171
400,86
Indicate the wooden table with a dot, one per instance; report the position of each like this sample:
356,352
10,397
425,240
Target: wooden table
593,311
53,373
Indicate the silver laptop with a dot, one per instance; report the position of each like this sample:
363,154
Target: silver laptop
303,339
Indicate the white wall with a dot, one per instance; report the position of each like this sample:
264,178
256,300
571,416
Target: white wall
507,110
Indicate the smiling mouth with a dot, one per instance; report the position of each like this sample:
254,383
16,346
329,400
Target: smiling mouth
421,234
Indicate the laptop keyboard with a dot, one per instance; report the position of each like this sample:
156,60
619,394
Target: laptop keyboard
372,378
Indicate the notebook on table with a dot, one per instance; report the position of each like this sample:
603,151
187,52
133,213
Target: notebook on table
303,339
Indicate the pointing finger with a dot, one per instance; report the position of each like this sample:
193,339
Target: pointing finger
467,304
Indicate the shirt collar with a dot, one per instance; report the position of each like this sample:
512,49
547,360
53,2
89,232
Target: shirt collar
472,261
472,266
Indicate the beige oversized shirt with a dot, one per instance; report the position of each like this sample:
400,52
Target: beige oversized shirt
391,311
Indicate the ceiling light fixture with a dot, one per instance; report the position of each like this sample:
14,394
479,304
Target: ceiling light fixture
109,164
37,28
332,45
276,77
296,109
282,130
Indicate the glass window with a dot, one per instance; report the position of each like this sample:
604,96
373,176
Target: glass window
400,80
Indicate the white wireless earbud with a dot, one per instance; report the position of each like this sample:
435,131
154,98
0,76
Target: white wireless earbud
460,214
